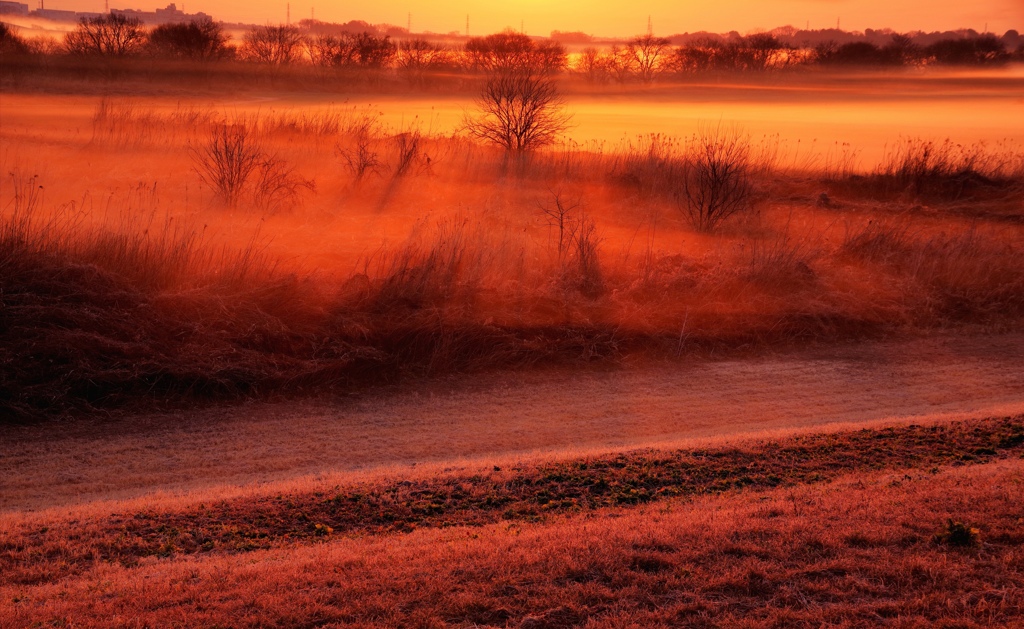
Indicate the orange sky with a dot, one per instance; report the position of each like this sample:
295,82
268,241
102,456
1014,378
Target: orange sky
540,17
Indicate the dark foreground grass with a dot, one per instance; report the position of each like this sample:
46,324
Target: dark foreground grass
528,493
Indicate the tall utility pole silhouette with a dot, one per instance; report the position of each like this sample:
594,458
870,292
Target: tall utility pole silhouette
288,14
650,27
467,25
106,6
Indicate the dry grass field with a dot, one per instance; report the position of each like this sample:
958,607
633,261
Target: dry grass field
282,357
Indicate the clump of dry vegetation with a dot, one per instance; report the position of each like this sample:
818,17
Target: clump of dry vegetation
929,171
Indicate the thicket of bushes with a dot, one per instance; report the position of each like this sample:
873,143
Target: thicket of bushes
642,59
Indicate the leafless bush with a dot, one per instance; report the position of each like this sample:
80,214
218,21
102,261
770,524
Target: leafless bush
576,244
227,159
717,179
361,157
277,186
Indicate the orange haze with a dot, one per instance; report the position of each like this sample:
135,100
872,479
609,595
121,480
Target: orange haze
538,17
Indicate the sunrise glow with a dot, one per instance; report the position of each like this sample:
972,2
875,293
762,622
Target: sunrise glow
522,315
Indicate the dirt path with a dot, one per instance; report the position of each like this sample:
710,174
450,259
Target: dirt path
501,417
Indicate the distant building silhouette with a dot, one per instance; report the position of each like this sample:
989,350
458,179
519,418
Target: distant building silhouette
13,8
170,14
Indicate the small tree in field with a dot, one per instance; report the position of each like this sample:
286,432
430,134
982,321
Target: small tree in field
521,111
112,35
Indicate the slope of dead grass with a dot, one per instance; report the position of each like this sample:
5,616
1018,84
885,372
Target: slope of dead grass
858,528
525,493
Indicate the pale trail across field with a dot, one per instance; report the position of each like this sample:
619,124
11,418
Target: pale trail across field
499,418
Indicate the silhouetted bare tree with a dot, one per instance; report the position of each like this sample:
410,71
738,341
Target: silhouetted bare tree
521,110
508,51
198,40
645,55
11,42
361,50
416,57
276,45
763,51
112,35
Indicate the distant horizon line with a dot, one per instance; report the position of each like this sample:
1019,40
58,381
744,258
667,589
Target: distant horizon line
64,16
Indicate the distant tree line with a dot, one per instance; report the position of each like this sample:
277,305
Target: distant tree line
644,59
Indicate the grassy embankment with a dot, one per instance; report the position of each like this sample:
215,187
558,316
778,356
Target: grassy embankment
912,525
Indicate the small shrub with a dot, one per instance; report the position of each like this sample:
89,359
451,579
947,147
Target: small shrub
278,186
576,245
717,179
361,156
227,159
520,110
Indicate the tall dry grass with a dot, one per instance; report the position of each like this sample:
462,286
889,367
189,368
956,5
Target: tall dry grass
932,171
606,266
